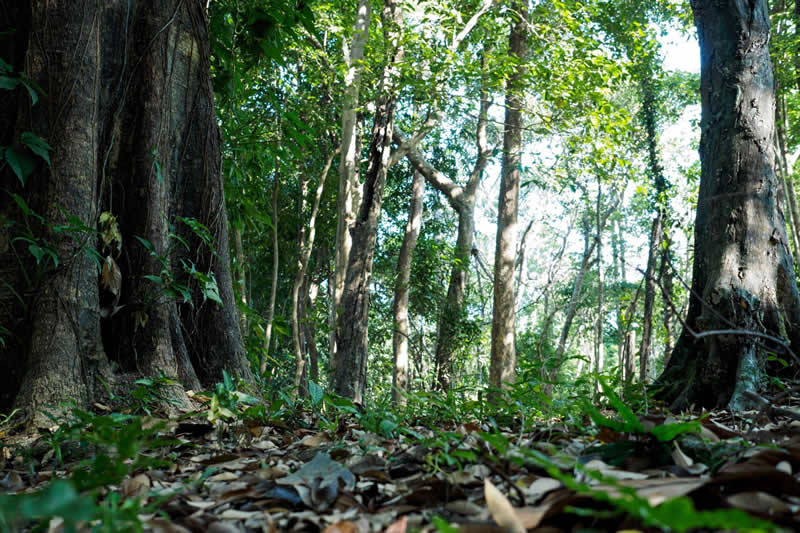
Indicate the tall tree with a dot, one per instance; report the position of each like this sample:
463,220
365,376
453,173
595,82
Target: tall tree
743,277
349,197
503,354
400,306
135,152
350,372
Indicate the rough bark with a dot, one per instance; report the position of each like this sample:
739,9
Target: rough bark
650,287
743,277
348,197
350,370
502,367
128,110
400,305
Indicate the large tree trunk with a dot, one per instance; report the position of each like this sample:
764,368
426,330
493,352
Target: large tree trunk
502,367
400,306
348,197
132,125
350,370
743,276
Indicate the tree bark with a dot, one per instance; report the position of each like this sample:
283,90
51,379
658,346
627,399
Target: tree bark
743,277
348,197
350,370
133,131
400,307
241,277
502,367
599,345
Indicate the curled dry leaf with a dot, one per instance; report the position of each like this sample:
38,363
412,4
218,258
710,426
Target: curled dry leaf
501,509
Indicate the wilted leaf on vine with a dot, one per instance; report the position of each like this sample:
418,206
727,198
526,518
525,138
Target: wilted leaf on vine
111,276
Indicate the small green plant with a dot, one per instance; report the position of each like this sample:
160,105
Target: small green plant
150,393
228,403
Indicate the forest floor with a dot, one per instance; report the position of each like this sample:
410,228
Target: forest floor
216,470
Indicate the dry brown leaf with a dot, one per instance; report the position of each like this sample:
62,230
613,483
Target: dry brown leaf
759,502
398,526
501,509
136,486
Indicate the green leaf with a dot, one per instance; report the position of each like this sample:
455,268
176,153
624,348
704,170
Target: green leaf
21,163
668,432
37,145
8,83
316,393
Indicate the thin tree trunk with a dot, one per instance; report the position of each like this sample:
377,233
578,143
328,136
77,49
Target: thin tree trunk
649,98
401,325
275,265
241,277
599,346
502,368
462,200
786,174
649,299
305,248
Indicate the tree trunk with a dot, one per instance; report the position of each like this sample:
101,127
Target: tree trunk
742,272
599,346
134,134
502,368
786,174
275,265
462,200
348,197
350,370
401,325
649,98
666,279
241,277
650,287
302,268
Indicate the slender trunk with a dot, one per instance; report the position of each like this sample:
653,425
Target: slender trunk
665,279
502,368
275,265
649,300
401,325
462,200
599,346
649,98
311,331
305,248
348,198
350,369
241,277
787,174
589,243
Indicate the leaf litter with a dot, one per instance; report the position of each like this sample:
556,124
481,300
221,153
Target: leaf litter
731,473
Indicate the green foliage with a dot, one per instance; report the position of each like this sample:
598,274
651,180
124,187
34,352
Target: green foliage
228,403
114,446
